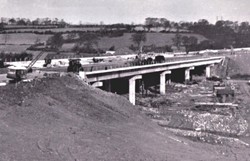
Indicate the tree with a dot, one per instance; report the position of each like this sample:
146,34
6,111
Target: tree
177,40
205,44
112,48
1,26
12,21
138,38
151,22
35,22
190,43
21,22
164,23
244,27
203,22
219,24
87,40
56,41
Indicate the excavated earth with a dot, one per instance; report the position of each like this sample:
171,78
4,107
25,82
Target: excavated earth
227,126
64,119
178,112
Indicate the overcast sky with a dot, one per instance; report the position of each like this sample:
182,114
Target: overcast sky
127,11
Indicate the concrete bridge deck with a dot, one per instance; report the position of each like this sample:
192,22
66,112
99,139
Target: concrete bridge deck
134,73
129,71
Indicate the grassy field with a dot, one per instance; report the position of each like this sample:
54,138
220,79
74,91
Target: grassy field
20,41
158,39
22,38
13,48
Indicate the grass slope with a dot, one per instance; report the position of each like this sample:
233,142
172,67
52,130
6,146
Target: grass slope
239,65
13,48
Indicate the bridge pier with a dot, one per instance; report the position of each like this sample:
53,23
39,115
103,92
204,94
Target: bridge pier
163,81
132,82
208,71
107,85
187,73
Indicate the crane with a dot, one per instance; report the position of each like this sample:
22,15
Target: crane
18,73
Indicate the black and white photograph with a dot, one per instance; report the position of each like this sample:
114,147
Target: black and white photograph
124,80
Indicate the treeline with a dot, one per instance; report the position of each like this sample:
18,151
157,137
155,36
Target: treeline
12,22
24,56
224,34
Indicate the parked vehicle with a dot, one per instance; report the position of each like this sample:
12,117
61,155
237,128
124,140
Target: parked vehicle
17,73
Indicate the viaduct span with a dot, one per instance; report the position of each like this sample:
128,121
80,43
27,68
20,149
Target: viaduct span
133,73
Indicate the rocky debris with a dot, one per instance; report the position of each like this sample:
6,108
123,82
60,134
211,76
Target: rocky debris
179,110
215,123
209,138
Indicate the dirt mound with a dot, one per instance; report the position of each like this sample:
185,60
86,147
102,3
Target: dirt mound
57,119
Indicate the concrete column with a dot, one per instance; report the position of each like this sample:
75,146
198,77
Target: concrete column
97,84
208,71
187,73
163,82
132,88
107,85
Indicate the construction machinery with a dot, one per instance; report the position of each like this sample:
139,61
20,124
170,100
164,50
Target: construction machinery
18,73
224,93
47,62
74,66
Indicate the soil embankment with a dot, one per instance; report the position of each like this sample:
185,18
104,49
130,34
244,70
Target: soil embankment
62,118
239,66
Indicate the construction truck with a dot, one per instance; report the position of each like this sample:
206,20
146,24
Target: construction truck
18,73
74,66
